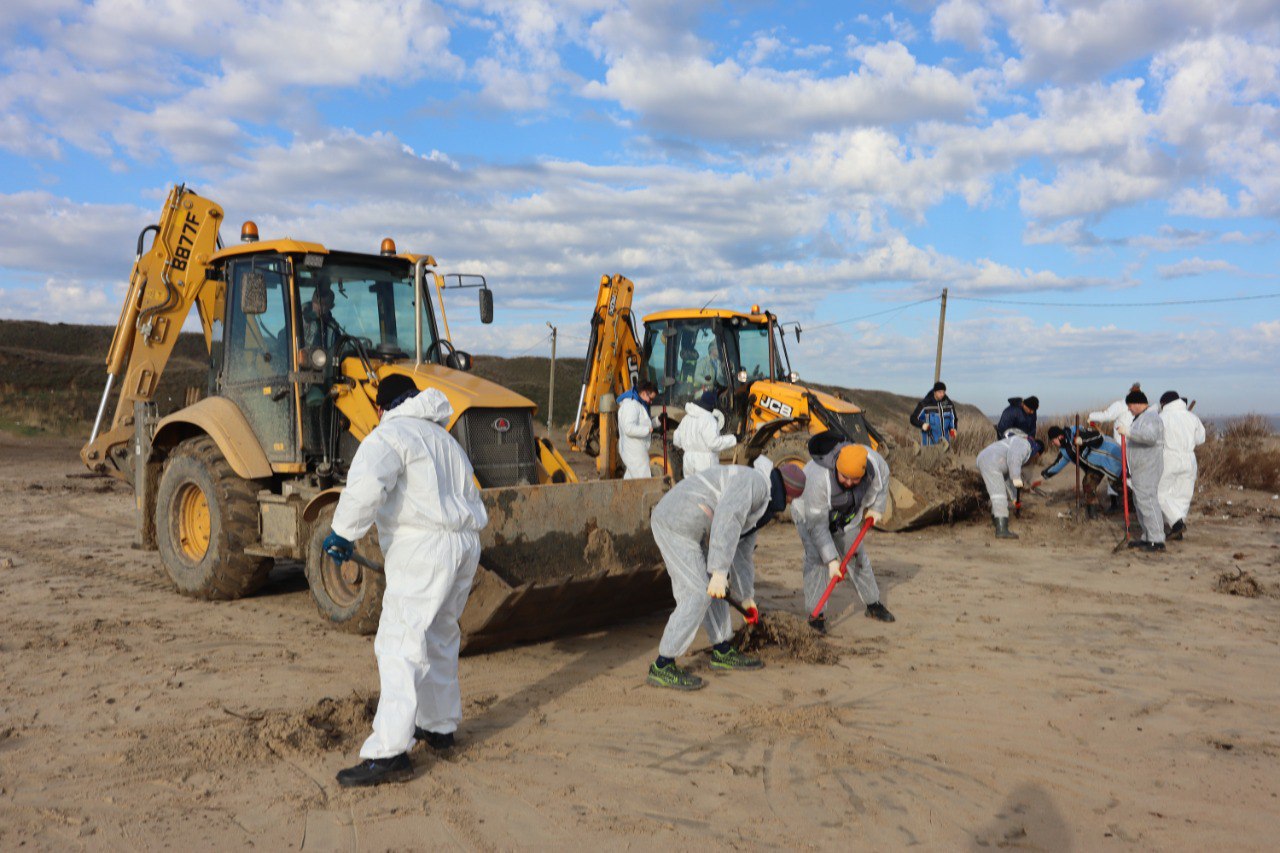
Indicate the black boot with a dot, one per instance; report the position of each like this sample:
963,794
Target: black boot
1090,512
819,623
877,610
439,741
376,771
1175,532
1002,529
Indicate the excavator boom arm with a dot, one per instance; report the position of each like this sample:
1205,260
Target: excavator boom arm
613,359
164,284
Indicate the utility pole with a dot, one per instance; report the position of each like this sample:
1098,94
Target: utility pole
942,321
551,386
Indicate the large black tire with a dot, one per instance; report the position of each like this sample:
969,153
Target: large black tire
206,516
348,597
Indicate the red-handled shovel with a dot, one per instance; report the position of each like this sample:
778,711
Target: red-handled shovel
822,602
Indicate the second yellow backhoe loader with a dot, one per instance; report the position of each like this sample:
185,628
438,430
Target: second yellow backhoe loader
741,359
299,336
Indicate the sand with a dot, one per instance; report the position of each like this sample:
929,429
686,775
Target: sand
1039,694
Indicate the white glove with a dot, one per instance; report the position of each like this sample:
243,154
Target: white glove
833,570
1121,429
656,420
1079,441
750,604
874,516
924,427
1017,484
719,586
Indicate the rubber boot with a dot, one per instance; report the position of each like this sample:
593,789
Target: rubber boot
1175,532
1002,529
1090,512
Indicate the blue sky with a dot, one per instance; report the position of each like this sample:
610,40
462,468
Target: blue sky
826,160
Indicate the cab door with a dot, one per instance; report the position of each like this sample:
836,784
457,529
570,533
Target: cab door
257,356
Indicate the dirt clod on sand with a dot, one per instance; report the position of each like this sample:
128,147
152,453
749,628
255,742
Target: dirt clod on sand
787,633
1241,583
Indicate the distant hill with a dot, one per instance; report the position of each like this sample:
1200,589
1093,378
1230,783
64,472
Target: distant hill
52,375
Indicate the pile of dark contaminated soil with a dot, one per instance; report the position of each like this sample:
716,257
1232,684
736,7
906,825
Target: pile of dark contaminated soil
1242,583
788,634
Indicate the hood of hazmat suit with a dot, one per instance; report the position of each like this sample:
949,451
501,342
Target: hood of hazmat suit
411,478
699,437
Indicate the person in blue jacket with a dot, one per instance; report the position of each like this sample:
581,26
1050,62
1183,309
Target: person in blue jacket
1020,415
1099,460
935,416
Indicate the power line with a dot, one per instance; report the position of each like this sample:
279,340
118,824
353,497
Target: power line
1115,304
868,316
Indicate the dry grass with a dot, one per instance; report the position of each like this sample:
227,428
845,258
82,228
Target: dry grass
1246,452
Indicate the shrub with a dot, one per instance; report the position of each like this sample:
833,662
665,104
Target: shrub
1246,452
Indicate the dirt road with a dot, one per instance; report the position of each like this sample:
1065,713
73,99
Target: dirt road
1041,694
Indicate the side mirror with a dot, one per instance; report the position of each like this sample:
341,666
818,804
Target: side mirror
486,306
461,360
253,293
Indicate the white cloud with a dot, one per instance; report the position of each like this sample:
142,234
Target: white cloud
691,95
1196,266
1088,189
1080,41
963,21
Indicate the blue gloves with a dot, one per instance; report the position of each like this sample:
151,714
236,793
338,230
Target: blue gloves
338,548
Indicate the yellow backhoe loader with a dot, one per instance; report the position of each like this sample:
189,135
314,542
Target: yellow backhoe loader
299,336
741,359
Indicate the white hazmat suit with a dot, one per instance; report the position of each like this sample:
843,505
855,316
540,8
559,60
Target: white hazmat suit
699,437
1146,463
699,527
1000,464
1183,433
635,426
412,479
811,513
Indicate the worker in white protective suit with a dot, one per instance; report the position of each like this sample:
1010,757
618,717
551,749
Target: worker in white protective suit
635,426
706,528
1145,438
1117,415
1000,464
844,483
698,436
412,479
1183,433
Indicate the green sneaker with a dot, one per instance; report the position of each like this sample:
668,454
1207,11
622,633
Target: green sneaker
734,659
674,677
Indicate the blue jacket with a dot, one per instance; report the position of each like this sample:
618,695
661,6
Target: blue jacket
940,415
1098,453
1014,418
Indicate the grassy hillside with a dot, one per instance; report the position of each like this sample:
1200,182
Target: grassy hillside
52,374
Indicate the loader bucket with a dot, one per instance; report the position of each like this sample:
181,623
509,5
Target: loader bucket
564,559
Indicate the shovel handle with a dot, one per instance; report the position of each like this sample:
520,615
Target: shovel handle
822,602
752,616
367,563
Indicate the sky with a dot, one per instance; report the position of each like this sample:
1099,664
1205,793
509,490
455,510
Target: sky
1058,167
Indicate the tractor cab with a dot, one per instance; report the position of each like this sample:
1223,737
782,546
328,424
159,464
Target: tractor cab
687,354
300,322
